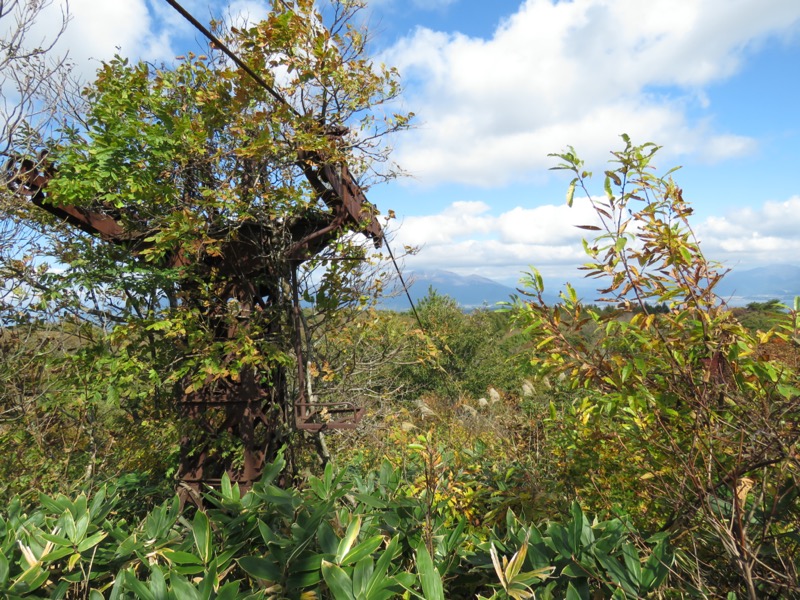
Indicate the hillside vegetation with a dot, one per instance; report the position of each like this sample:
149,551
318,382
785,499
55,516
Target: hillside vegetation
540,451
643,446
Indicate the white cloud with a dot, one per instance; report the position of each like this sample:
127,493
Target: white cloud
579,72
754,236
458,220
138,29
465,236
247,11
98,29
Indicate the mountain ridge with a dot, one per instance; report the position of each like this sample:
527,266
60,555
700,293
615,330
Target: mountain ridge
737,288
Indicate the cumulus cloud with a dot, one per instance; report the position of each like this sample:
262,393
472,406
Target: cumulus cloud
138,29
99,29
578,72
466,237
750,236
247,11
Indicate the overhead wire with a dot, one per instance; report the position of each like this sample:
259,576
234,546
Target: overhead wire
275,94
230,54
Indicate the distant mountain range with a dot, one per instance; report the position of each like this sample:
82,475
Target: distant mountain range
761,284
470,291
738,288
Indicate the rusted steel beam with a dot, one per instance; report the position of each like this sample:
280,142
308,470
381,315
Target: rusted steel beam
335,185
354,200
104,226
30,178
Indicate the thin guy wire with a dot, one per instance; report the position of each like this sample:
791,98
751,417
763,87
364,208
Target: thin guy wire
219,44
403,283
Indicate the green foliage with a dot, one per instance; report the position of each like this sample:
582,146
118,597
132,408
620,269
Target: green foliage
579,558
341,536
678,418
761,316
462,353
69,419
203,176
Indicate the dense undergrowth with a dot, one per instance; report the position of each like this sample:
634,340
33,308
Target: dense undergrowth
645,447
343,534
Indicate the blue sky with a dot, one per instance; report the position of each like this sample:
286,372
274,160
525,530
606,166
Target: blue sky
499,84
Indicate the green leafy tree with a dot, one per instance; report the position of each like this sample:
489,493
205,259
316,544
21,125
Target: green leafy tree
679,419
462,353
214,190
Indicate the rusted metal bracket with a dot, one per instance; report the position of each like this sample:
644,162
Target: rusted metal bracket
319,416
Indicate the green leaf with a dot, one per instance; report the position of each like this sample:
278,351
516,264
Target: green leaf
607,188
97,502
157,584
571,192
382,565
429,577
619,575
56,539
137,587
267,534
309,562
181,558
361,550
347,541
201,530
260,568
82,526
68,523
362,573
58,554
573,594
559,540
229,591
117,588
371,501
632,563
225,486
182,588
657,567
575,570
515,564
338,582
304,579
91,541
31,579
328,541
4,569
